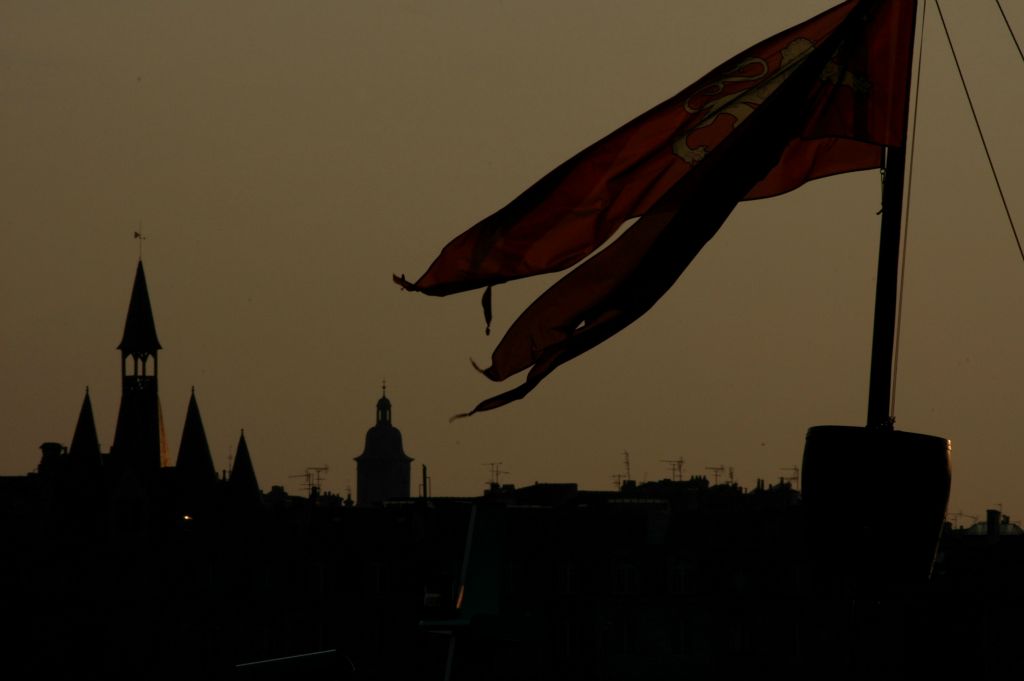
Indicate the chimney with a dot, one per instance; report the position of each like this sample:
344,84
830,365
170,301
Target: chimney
993,517
51,452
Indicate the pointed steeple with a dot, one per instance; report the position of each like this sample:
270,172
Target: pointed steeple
139,440
195,464
85,444
242,483
139,336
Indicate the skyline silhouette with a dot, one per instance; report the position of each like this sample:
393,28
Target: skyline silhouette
178,572
280,188
547,581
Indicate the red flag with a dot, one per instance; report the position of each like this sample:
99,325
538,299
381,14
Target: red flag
821,98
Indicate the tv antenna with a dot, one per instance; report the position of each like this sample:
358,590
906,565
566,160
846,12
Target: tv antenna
716,470
625,456
313,476
676,466
304,476
959,516
496,472
318,473
794,479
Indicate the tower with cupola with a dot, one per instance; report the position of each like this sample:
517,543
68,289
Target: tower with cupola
382,470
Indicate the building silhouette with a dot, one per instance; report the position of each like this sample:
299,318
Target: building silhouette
118,567
133,483
383,469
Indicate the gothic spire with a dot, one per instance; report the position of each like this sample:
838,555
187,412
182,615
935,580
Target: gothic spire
195,464
139,328
139,436
242,482
85,445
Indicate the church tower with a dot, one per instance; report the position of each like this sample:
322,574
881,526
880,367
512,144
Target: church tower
382,470
139,441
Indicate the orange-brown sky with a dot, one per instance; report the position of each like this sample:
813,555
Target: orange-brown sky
284,159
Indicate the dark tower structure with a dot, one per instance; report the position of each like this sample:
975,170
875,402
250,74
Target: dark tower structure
139,441
195,463
85,444
243,489
197,478
382,470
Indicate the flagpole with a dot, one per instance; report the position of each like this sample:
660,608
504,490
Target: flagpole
886,284
886,291
852,550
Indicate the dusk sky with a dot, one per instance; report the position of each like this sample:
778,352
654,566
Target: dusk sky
283,160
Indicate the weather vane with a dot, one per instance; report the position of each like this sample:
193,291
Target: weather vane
141,238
